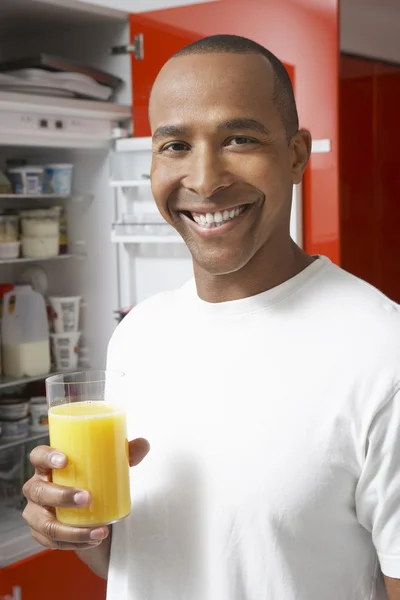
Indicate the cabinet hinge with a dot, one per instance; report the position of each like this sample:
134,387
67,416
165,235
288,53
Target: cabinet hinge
135,47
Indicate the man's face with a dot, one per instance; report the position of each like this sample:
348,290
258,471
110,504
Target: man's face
223,169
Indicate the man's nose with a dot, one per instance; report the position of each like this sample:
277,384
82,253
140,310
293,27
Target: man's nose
207,173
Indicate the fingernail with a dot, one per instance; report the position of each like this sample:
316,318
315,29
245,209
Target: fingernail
98,534
81,498
57,460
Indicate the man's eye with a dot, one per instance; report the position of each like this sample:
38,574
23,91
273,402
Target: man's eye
241,140
175,147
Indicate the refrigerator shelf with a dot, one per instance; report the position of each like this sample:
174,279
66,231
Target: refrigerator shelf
129,183
146,239
33,437
72,197
17,261
6,382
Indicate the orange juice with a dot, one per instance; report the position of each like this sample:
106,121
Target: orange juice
93,437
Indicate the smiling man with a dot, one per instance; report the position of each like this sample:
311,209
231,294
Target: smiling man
268,387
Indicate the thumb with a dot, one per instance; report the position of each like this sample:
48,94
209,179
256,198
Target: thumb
137,451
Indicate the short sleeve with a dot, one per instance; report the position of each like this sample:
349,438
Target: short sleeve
378,489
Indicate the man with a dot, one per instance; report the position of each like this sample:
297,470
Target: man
269,389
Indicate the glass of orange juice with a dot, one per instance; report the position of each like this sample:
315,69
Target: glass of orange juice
87,423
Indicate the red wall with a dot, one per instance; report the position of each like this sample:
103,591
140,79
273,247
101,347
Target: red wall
370,175
52,575
303,33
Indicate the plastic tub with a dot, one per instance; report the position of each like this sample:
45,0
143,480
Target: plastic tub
27,180
9,250
12,409
65,350
40,223
39,414
65,313
15,430
9,228
59,178
37,247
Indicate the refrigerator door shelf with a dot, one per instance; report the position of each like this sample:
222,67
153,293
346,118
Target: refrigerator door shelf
144,228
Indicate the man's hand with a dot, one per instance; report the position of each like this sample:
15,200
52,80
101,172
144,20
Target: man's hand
44,497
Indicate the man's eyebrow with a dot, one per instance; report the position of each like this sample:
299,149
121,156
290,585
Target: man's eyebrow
243,123
165,131
168,131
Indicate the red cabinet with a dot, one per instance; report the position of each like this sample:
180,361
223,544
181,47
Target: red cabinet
369,173
52,575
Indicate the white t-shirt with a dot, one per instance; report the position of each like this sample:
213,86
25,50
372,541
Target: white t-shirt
274,424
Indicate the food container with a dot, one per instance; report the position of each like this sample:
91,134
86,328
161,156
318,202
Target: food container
65,313
9,228
59,179
15,430
40,223
65,350
39,414
9,250
36,247
12,409
27,180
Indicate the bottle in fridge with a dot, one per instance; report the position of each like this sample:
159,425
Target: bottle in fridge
25,334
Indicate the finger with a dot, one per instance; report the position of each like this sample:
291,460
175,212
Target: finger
44,523
45,493
44,459
47,543
138,449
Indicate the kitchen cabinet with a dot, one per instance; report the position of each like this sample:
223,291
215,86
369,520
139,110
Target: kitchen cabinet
369,180
52,575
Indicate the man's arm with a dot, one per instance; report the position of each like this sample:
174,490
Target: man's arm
392,588
98,559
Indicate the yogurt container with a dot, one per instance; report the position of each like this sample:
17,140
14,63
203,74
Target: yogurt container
15,430
39,414
41,223
65,313
59,178
12,409
66,350
40,247
27,180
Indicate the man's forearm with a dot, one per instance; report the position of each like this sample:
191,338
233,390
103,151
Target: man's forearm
98,559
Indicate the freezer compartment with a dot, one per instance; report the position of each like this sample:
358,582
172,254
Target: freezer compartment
131,168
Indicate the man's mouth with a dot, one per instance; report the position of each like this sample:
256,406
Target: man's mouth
212,220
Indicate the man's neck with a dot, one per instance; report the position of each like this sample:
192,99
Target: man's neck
263,272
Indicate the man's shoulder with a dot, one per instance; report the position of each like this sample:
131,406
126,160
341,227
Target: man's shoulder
360,312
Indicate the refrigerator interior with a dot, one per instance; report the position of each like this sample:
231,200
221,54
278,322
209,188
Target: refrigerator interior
94,276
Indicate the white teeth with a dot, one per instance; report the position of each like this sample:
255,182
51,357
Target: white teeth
218,218
209,218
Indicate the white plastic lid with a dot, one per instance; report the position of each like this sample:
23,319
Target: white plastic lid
27,169
9,218
38,400
60,166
